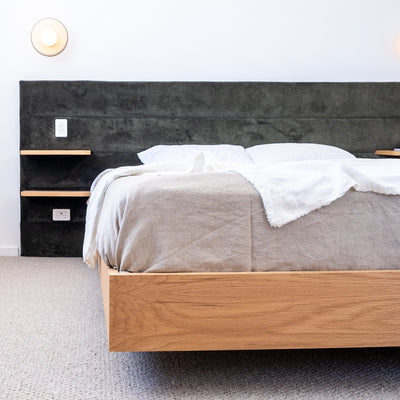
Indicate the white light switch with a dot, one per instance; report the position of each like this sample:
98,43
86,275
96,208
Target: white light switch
61,128
61,214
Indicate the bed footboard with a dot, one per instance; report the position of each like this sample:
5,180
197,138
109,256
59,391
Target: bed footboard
257,310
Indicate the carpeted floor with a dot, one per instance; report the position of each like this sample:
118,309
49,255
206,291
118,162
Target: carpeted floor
53,346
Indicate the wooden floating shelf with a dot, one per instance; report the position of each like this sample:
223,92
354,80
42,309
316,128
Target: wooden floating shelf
56,152
55,193
392,153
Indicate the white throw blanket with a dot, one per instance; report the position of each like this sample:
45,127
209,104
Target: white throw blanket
289,190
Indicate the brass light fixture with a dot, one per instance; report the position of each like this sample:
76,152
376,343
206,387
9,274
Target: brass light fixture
49,37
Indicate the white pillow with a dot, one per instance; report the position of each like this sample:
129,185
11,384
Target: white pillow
295,152
186,153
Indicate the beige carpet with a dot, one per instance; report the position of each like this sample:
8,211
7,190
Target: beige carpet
53,346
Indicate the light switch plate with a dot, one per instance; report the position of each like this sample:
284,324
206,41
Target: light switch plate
61,127
61,214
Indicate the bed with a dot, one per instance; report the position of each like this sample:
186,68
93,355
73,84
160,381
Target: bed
206,274
229,310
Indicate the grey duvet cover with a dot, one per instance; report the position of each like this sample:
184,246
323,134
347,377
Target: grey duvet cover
215,221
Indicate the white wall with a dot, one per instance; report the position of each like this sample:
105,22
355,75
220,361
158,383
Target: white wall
207,40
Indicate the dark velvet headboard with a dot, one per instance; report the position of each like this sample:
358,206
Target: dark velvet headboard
117,119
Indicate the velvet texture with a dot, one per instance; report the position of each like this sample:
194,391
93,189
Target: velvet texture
118,119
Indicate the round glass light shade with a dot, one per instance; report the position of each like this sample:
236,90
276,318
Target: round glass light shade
49,37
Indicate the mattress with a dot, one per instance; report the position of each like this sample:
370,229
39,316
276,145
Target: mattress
215,221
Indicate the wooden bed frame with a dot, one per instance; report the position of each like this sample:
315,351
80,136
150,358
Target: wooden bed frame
250,310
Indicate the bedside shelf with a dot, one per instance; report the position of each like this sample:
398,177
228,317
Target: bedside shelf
391,153
54,179
55,193
55,152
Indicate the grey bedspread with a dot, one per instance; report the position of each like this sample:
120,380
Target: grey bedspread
216,222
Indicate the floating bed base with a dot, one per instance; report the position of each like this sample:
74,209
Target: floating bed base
250,310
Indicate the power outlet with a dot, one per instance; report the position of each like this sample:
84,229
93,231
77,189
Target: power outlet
61,214
61,128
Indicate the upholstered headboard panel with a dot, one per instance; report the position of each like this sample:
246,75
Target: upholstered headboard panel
131,116
117,119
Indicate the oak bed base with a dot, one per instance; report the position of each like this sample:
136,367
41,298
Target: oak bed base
256,310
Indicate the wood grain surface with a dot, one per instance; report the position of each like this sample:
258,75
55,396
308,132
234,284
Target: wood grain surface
55,193
55,152
391,153
256,310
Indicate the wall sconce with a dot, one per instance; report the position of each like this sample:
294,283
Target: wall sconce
49,37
